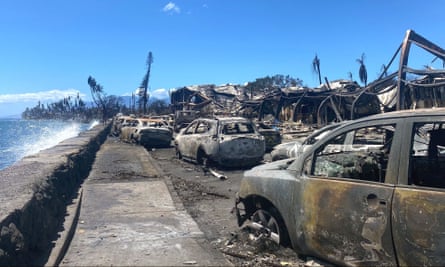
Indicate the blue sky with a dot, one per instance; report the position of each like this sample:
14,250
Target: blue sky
49,48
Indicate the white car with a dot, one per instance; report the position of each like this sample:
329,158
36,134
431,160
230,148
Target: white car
227,141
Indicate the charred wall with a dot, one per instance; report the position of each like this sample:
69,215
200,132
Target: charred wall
35,193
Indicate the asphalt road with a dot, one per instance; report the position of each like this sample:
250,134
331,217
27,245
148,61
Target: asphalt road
207,198
210,201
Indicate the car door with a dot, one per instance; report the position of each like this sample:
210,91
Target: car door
204,138
346,203
185,140
419,200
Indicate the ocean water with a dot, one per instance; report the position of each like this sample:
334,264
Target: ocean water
20,138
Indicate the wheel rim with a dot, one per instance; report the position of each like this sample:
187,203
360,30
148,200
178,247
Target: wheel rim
269,222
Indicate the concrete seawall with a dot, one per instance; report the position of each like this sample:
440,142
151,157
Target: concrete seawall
35,192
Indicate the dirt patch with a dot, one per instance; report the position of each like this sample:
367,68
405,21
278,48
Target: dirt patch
210,201
240,247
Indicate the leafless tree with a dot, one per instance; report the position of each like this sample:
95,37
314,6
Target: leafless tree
146,79
316,67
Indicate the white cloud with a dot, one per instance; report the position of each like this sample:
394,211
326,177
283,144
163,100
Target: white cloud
171,8
160,94
44,96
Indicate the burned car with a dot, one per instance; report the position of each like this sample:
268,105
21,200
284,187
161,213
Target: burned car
371,192
271,135
127,129
152,133
147,132
227,141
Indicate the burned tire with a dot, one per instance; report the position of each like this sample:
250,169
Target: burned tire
271,224
202,158
177,152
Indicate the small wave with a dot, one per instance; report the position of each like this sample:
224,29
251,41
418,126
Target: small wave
93,124
22,138
51,136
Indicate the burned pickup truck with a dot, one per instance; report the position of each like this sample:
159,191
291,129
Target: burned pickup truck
371,192
226,141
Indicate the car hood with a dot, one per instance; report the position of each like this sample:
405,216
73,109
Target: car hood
287,145
275,165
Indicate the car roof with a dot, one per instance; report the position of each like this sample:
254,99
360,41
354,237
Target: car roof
232,119
150,120
392,115
408,113
224,119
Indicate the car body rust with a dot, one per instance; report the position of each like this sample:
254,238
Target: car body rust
371,192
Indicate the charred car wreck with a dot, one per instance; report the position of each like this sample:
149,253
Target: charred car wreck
370,192
232,141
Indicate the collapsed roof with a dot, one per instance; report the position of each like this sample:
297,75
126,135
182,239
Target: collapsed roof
338,100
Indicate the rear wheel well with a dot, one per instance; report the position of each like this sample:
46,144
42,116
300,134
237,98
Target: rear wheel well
202,157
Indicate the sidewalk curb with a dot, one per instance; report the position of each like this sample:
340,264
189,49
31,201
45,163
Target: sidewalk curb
69,226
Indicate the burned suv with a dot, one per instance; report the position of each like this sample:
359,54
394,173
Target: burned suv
371,192
228,141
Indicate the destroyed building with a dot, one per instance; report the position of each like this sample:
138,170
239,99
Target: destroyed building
405,88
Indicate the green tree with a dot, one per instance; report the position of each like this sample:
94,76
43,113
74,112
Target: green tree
268,84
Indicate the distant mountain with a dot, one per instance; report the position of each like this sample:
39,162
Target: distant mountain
14,116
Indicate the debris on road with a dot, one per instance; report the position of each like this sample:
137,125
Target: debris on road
217,175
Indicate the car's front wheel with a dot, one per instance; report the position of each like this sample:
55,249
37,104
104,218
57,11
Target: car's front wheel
269,222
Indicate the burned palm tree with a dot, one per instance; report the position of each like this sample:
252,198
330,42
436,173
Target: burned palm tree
316,67
146,79
362,72
98,95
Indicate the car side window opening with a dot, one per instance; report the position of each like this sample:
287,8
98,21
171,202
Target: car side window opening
427,159
203,127
237,128
190,129
360,154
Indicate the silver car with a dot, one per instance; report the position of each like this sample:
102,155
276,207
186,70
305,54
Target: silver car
369,193
227,141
